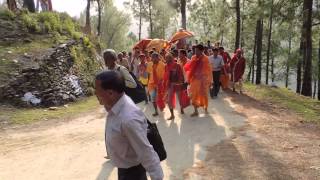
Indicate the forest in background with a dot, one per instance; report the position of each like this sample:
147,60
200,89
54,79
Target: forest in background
281,39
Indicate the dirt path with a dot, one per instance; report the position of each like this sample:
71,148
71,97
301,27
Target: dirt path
239,139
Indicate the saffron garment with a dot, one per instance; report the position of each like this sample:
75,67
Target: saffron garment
155,83
225,74
173,82
237,66
200,78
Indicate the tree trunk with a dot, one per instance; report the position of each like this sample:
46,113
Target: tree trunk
288,60
140,18
299,68
183,14
259,50
315,88
12,5
49,5
319,71
251,71
242,26
150,20
237,43
29,4
88,24
272,68
99,17
307,50
269,43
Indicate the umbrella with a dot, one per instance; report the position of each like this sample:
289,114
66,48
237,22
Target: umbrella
158,44
142,44
180,35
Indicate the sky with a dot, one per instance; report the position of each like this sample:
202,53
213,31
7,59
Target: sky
75,7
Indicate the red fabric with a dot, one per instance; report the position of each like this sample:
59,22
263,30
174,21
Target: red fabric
237,66
170,67
184,99
167,84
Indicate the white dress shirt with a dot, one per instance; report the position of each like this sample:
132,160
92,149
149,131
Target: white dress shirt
126,138
216,62
130,82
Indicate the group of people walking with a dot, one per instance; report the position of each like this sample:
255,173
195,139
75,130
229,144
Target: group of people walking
188,75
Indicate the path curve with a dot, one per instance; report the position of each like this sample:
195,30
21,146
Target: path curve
75,149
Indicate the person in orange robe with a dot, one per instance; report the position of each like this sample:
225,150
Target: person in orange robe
173,83
156,70
237,66
225,77
200,79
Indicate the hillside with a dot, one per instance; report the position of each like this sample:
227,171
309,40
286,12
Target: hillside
44,59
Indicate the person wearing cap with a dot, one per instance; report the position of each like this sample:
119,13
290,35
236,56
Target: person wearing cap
225,75
237,66
217,65
200,79
156,70
142,72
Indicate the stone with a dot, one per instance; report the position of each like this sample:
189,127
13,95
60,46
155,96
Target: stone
53,108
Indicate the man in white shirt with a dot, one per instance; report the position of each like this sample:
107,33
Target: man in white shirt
126,131
110,59
217,64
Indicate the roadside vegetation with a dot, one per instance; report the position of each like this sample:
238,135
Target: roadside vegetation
305,107
12,115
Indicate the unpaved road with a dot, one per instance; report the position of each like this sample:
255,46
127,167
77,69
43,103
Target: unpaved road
208,147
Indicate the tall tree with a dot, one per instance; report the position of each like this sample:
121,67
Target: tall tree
100,7
307,47
12,5
238,31
88,24
259,50
319,71
269,42
183,5
288,59
29,4
150,19
140,18
299,68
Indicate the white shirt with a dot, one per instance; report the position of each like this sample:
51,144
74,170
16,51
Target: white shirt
130,82
126,138
216,62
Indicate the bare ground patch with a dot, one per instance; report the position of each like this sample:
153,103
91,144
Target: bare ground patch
274,144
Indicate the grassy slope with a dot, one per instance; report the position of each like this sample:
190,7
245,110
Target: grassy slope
26,116
305,107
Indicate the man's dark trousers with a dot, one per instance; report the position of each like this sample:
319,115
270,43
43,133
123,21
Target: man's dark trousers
133,173
216,82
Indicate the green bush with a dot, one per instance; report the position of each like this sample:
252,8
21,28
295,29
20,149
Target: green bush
7,14
30,22
50,20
